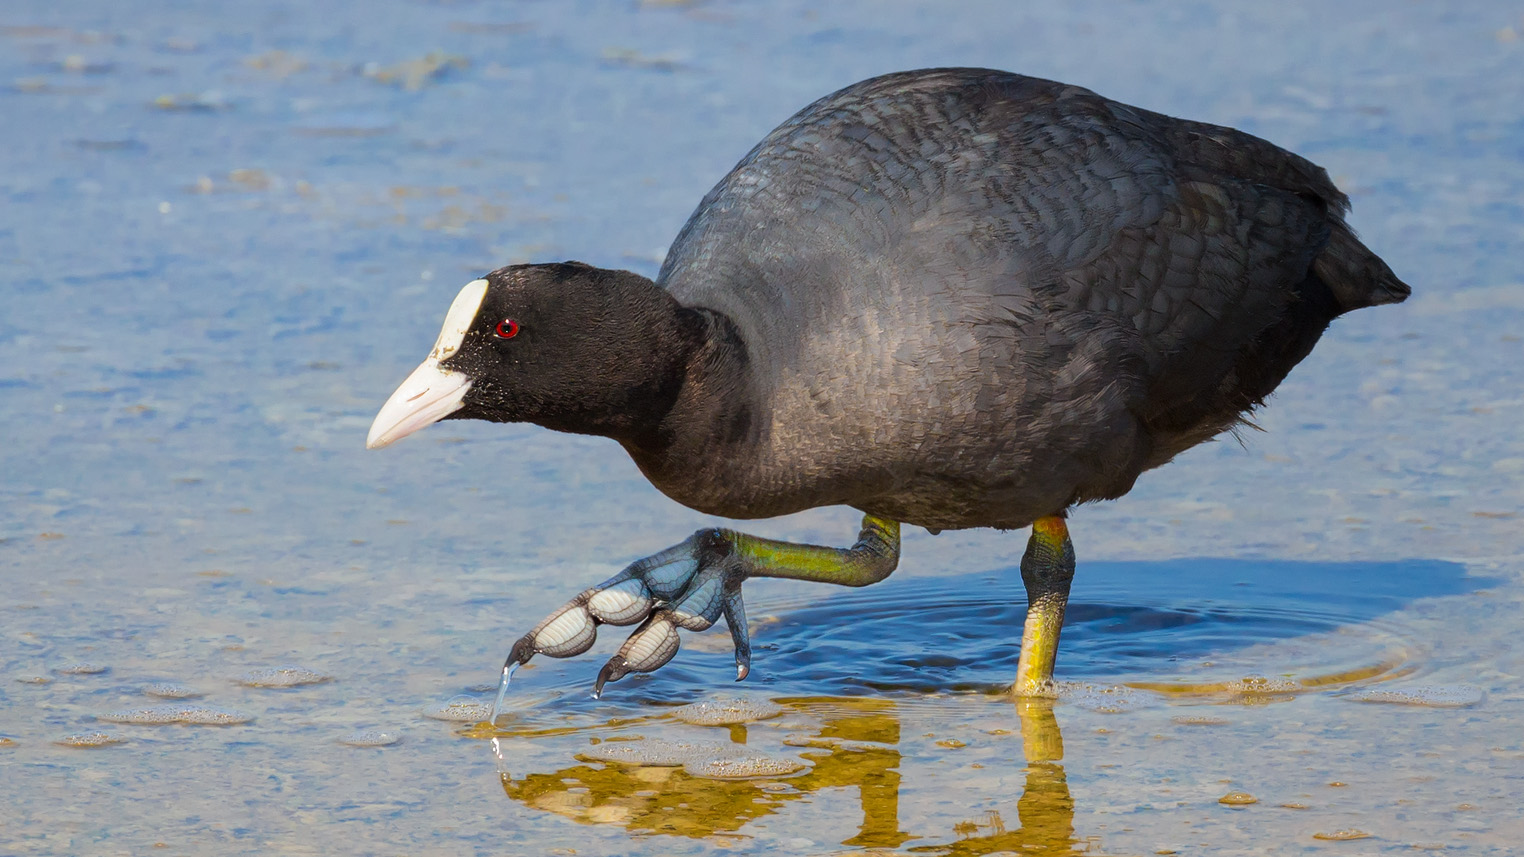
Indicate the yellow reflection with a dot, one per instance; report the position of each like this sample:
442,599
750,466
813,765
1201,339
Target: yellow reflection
854,744
1394,666
1045,810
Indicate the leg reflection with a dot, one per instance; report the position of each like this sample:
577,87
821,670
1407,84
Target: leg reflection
856,744
1046,809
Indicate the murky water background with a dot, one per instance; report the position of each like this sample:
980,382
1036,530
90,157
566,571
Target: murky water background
228,230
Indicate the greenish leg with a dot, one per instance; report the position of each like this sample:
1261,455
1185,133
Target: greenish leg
870,560
1047,569
690,586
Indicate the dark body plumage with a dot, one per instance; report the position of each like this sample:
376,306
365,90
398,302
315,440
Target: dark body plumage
968,298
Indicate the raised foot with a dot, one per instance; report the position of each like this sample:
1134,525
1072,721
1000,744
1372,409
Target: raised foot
689,586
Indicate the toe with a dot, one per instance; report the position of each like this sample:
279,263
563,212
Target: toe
735,619
622,603
647,650
571,631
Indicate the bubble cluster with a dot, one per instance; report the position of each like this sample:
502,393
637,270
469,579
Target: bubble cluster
194,715
370,738
1343,835
90,739
1237,799
727,711
81,668
461,709
6,743
654,752
744,767
710,759
1116,699
287,676
1199,720
1252,684
170,690
1431,695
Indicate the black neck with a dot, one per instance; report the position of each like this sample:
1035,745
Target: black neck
714,407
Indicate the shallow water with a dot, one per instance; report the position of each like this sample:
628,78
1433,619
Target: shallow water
229,230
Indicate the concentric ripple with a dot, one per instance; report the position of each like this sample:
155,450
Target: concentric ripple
1251,629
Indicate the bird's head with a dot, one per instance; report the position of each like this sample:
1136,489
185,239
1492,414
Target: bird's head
568,346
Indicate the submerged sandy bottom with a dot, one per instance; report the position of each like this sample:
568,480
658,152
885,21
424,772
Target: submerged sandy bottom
229,629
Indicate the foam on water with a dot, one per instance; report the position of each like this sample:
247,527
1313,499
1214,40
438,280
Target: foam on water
727,711
654,752
171,690
1429,695
459,709
1199,720
280,677
1343,835
370,738
1113,699
90,739
744,767
710,759
194,715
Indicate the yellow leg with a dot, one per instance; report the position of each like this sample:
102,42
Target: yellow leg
870,560
1047,569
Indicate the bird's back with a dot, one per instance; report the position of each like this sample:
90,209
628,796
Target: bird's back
970,298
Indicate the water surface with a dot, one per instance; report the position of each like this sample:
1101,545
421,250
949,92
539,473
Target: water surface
229,230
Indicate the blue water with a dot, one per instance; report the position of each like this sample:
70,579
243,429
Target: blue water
228,230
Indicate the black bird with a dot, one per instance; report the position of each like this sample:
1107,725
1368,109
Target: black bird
949,298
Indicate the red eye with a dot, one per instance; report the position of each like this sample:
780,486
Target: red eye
507,329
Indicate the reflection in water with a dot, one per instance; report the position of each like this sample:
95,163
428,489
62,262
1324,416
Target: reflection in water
1246,632
854,745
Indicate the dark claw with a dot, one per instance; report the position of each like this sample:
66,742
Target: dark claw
616,669
735,619
521,652
519,655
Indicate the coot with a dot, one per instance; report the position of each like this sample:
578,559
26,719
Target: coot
949,298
